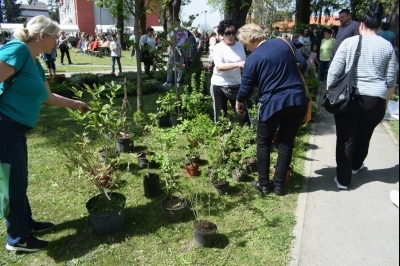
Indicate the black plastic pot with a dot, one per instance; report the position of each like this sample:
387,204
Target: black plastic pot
107,222
164,121
173,214
204,232
151,185
221,187
251,166
125,144
175,120
143,161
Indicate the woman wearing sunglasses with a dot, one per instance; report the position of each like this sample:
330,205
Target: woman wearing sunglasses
229,59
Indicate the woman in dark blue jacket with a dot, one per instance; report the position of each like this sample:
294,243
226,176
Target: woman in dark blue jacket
272,68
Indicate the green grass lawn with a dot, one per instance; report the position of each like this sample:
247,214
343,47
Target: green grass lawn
252,230
394,126
87,63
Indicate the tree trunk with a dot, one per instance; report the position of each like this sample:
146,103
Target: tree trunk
120,23
142,18
303,11
394,21
139,81
238,10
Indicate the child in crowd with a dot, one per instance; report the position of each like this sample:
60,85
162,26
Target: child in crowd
313,58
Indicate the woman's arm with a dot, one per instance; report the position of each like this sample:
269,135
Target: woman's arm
57,100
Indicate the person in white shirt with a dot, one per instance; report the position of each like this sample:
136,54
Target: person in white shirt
148,45
115,48
179,36
213,42
229,57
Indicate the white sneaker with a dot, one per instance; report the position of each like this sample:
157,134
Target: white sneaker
339,186
354,172
166,84
394,197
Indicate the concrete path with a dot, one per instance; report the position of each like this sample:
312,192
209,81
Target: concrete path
355,227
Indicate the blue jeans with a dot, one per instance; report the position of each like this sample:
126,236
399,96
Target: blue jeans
113,58
179,61
13,150
323,67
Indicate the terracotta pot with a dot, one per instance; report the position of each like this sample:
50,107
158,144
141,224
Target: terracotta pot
192,169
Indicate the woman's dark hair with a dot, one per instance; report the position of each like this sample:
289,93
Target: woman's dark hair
224,24
149,29
328,31
372,19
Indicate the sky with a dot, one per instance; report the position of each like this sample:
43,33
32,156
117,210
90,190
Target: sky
211,18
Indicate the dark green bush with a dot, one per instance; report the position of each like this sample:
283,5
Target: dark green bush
83,78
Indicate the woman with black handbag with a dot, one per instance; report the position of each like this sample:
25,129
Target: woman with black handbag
147,45
64,49
275,68
375,79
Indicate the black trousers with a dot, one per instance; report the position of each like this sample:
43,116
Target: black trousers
354,130
65,51
289,120
220,104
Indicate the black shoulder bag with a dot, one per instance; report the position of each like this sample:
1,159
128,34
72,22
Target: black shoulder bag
11,79
340,94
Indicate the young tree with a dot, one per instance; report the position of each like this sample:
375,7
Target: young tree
324,7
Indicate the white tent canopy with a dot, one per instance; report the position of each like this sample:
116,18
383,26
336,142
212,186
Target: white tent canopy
158,28
10,26
69,28
105,28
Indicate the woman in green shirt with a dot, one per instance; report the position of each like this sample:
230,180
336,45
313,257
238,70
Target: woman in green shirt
20,103
327,45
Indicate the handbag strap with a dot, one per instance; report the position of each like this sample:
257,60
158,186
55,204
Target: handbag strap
357,55
12,78
298,68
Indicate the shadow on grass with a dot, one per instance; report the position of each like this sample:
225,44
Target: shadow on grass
85,239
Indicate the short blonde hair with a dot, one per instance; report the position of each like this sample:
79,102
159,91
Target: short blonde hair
35,26
250,33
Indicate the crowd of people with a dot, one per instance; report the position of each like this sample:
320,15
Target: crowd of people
274,68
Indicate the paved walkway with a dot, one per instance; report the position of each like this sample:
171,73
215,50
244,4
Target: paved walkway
355,227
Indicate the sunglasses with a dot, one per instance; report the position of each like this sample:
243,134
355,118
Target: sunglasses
229,33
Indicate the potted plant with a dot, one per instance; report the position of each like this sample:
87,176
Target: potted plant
204,230
106,209
192,161
166,157
194,101
168,109
124,138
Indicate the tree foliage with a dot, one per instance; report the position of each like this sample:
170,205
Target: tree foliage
12,12
394,21
217,6
267,12
324,8
238,10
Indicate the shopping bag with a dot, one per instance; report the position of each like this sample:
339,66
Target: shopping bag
4,189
